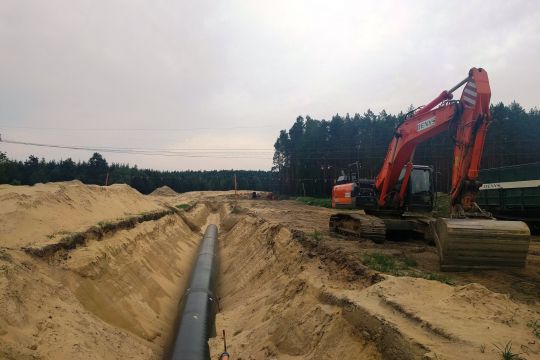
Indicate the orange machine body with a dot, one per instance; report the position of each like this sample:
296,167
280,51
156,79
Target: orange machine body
342,196
467,120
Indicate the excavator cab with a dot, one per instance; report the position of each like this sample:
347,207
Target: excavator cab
421,192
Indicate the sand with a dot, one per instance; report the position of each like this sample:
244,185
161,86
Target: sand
288,289
108,299
164,191
32,214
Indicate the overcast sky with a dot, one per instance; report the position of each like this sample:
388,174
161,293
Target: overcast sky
231,74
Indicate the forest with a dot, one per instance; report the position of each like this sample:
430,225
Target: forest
313,152
97,171
307,158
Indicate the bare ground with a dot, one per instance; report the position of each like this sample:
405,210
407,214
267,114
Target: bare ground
288,288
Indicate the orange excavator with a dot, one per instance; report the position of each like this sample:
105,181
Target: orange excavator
402,196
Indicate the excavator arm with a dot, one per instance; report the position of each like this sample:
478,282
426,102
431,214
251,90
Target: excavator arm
467,119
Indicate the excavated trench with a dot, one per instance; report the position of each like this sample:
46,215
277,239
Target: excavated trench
273,290
277,299
282,295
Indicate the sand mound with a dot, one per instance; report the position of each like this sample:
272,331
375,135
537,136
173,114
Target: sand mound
279,300
281,296
32,214
268,306
108,298
460,322
164,191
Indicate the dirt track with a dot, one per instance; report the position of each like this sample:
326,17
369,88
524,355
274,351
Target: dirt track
288,288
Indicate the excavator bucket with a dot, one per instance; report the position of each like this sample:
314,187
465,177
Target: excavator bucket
481,243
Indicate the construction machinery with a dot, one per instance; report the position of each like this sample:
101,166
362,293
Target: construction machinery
401,197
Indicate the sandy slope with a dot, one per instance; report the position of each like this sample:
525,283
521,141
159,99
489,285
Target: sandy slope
109,299
281,300
285,292
31,214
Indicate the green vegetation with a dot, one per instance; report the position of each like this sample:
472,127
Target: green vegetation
97,171
382,262
316,235
322,202
437,277
401,266
183,206
535,326
506,352
442,204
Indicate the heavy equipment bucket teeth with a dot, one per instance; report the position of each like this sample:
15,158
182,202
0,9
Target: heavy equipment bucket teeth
481,243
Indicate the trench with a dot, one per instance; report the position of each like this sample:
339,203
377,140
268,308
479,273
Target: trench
282,295
276,296
273,290
272,305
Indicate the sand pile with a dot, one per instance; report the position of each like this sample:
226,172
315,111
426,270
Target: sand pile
285,293
32,214
164,191
280,300
462,322
269,307
111,298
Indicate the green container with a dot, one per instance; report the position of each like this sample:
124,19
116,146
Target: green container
512,192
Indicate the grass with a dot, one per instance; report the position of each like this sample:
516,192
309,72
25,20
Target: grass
442,204
183,206
410,262
381,262
316,235
506,352
401,266
322,202
535,326
437,277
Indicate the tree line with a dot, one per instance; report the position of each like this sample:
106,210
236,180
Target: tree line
307,158
312,153
98,171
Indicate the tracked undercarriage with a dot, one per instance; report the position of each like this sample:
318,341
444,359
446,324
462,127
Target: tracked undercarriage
462,244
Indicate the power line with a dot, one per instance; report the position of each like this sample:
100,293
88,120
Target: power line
138,129
193,153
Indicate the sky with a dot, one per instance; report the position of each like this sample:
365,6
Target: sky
213,82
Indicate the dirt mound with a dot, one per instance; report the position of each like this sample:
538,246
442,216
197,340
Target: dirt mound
287,289
32,214
112,297
164,191
285,298
462,322
269,302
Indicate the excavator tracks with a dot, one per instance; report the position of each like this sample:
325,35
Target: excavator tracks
360,225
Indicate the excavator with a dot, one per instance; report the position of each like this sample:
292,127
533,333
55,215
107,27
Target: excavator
401,198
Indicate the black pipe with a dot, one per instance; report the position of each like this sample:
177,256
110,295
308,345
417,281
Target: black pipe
199,304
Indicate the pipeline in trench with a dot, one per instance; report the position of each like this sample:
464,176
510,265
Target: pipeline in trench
199,304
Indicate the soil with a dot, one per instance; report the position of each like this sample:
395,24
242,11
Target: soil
287,287
164,191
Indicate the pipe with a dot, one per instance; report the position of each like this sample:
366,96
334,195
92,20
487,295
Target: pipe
198,304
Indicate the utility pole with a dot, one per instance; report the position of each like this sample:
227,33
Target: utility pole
235,187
